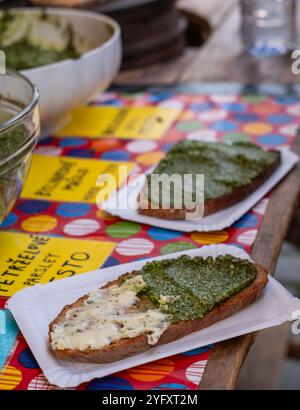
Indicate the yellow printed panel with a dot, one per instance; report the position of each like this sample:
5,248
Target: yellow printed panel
26,260
72,179
121,122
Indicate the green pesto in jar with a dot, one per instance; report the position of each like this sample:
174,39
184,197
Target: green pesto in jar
196,285
225,167
12,140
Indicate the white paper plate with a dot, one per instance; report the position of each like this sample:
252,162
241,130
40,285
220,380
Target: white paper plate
35,307
214,222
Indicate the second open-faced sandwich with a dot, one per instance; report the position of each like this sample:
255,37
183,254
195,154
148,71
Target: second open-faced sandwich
231,173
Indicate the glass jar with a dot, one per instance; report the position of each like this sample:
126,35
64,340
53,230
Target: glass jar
19,132
268,26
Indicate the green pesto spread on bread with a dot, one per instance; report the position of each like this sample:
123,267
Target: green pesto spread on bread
225,167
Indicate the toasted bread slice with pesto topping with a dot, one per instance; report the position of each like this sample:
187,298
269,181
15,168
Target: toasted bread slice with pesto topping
231,173
162,302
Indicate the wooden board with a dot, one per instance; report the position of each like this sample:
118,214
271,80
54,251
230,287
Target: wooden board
263,366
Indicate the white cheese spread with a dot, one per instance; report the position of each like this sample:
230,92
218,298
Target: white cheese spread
108,315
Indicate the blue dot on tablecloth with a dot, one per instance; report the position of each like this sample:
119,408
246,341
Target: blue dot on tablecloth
199,350
72,142
26,359
279,118
161,234
33,206
234,107
224,125
110,261
10,220
286,99
116,155
156,98
70,210
80,153
45,141
272,139
246,117
201,106
170,386
247,221
112,103
109,383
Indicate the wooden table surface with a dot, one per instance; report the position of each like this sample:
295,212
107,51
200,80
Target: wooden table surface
222,59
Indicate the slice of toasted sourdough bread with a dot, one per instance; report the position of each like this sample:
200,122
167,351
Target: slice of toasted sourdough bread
125,347
214,204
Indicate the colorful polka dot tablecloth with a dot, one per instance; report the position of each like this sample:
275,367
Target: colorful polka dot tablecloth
270,119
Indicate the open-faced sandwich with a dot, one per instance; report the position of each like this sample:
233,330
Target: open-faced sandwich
162,302
231,173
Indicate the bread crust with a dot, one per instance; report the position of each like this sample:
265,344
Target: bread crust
127,347
214,205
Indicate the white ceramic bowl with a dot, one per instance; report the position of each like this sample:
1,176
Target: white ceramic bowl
71,82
